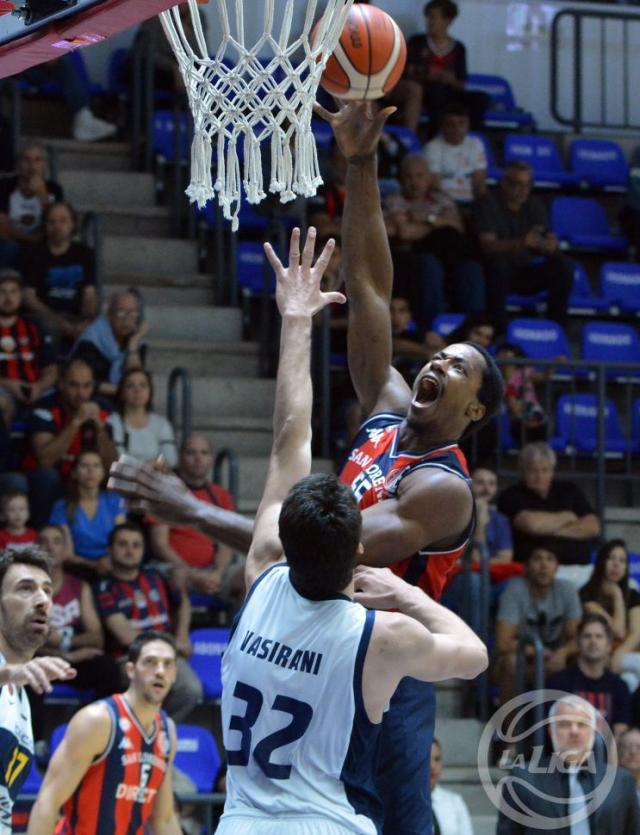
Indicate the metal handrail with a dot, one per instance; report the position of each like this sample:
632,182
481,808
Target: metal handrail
180,376
532,640
578,17
230,457
91,235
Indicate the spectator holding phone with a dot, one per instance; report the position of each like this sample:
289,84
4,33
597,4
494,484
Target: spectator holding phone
522,255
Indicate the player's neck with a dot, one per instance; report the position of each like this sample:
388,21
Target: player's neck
144,712
411,439
591,669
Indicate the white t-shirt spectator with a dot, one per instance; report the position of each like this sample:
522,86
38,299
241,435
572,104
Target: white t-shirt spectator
455,164
146,443
451,812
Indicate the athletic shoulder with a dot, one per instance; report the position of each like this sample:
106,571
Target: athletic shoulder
444,490
91,727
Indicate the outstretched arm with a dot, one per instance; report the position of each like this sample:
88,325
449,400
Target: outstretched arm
366,260
299,297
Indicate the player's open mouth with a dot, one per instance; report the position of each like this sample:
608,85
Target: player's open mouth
428,390
40,623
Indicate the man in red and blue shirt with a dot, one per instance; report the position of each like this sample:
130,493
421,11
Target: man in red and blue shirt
135,600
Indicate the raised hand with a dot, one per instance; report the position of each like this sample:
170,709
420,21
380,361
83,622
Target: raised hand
151,490
357,127
298,290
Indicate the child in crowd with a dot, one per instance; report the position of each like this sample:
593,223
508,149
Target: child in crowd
15,515
527,418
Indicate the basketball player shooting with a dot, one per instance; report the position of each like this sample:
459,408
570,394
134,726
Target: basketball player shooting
112,770
308,672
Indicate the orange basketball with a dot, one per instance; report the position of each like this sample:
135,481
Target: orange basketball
369,58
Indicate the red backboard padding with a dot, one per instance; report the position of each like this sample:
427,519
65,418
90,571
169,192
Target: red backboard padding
87,26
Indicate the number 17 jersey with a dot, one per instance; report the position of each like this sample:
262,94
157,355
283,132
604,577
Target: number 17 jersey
300,748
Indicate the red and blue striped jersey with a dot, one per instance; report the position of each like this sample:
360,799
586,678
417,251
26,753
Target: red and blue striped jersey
117,794
374,471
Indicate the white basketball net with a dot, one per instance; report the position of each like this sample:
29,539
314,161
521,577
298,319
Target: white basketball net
250,93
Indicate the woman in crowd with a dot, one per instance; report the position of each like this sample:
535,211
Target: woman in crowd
450,812
135,428
89,514
608,593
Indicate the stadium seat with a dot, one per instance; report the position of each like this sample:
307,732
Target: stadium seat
77,59
599,163
67,694
582,301
33,782
323,134
612,342
634,567
503,111
581,223
252,264
635,426
197,756
577,426
543,156
208,646
494,172
115,84
56,736
620,285
164,137
444,323
405,136
540,339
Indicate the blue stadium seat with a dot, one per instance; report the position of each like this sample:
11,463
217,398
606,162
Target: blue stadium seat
634,567
599,163
503,111
444,323
581,223
541,339
405,136
197,756
164,141
208,646
582,301
620,284
67,694
635,426
612,342
543,156
115,84
494,172
77,59
577,426
34,780
252,263
323,134
56,736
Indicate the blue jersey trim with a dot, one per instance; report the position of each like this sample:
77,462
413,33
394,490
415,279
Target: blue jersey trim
259,579
360,764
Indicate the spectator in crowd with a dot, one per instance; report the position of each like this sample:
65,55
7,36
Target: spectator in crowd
450,812
203,561
629,749
411,346
457,159
60,276
537,604
590,678
608,593
522,254
527,418
553,791
85,125
134,599
439,63
62,425
432,257
543,509
135,428
114,342
325,209
23,199
76,632
27,361
15,515
89,514
476,328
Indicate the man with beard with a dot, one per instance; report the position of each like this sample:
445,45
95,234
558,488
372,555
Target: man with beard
25,603
27,361
112,770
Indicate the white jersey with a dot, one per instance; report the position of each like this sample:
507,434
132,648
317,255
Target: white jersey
300,748
16,747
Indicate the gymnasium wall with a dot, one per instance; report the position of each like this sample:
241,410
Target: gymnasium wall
504,38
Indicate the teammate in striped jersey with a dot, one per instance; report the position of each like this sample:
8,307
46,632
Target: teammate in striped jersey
112,770
25,604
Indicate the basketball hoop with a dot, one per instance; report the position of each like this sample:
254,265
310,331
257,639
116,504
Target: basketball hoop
248,94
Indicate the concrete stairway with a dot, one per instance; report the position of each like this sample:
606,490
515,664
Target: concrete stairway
232,405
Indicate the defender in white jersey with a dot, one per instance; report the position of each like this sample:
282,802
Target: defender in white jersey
25,604
309,671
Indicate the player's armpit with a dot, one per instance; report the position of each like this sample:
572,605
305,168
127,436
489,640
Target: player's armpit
87,736
433,508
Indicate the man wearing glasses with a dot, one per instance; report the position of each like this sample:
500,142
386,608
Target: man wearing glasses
114,343
522,254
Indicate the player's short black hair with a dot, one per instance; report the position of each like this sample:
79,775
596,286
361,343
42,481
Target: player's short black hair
27,556
448,8
490,393
320,526
144,638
